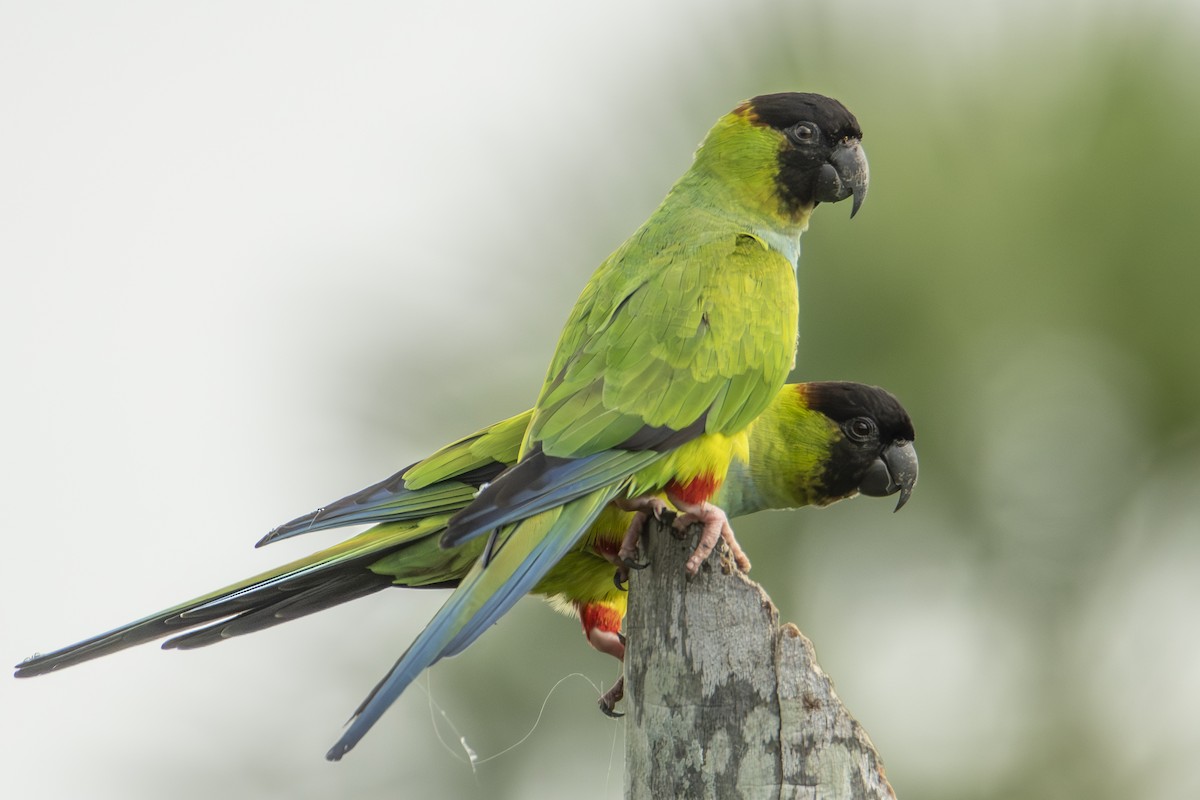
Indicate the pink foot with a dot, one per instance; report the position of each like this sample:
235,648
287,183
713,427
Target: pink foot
644,507
716,528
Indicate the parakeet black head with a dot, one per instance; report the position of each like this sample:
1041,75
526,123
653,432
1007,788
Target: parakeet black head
821,160
780,155
874,452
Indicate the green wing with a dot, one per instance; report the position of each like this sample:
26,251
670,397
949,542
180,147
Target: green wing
659,341
665,344
443,483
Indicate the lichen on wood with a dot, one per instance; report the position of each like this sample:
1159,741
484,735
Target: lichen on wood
721,700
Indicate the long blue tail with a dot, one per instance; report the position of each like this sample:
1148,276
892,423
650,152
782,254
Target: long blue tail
522,555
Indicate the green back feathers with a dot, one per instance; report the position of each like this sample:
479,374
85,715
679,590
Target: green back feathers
667,333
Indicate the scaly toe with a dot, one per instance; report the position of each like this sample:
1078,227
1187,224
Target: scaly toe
608,701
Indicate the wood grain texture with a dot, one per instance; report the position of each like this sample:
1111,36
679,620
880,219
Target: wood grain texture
724,702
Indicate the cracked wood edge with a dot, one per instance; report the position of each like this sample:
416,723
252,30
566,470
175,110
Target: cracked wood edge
721,700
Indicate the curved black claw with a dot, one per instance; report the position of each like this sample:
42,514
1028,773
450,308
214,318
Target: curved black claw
621,579
608,700
609,711
621,576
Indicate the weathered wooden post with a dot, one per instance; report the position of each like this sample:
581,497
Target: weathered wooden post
722,701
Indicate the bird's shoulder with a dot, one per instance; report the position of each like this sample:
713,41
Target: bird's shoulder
666,280
666,332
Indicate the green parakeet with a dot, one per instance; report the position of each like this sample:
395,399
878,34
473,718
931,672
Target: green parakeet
816,443
679,340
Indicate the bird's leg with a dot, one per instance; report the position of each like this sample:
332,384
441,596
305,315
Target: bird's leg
608,701
643,507
602,627
716,527
614,646
605,640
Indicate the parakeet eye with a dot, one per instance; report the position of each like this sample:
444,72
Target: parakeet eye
860,428
803,133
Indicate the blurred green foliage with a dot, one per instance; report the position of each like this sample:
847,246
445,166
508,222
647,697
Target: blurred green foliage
1023,276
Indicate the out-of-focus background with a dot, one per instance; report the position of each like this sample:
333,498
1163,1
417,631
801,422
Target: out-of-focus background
258,255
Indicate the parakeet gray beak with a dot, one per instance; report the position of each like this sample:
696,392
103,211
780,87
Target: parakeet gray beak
846,174
894,471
